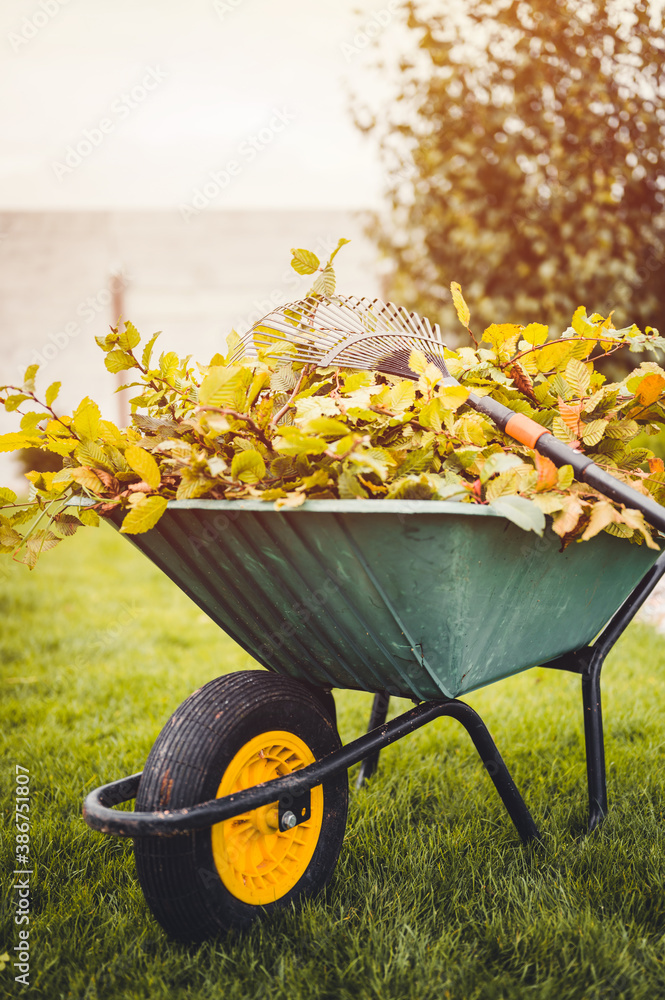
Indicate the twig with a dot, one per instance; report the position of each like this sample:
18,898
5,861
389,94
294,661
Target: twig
563,340
225,411
287,406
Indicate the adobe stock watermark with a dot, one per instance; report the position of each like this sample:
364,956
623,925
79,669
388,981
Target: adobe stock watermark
108,637
22,871
290,284
248,150
86,311
224,7
121,109
372,27
32,24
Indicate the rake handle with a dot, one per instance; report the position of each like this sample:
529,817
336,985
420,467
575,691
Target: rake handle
533,435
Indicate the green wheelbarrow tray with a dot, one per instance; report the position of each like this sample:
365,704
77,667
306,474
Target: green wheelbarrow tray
420,599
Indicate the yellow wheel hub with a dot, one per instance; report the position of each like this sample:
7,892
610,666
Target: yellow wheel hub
257,862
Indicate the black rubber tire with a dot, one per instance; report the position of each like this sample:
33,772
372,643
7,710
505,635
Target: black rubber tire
178,875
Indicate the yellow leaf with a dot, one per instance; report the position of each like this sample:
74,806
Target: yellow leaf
86,477
593,432
603,513
461,307
14,441
248,466
430,415
535,334
85,419
290,500
564,522
553,355
635,519
144,516
402,396
417,362
453,396
503,337
144,465
578,377
221,387
582,326
565,476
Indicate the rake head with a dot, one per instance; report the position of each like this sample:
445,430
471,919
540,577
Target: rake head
347,332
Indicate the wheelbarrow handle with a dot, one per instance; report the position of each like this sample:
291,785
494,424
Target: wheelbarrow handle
533,435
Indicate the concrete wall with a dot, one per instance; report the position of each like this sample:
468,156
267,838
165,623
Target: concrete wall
194,281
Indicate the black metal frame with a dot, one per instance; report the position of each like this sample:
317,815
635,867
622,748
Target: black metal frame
293,789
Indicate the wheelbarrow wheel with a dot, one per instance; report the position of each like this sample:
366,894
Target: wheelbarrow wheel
235,732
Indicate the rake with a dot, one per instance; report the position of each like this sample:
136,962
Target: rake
349,332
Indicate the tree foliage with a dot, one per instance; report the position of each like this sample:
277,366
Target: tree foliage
525,158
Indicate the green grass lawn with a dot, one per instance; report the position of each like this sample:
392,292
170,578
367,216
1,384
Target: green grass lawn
434,896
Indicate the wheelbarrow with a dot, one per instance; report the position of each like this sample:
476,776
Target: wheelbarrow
241,807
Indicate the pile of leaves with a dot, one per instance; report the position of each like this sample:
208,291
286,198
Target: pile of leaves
284,432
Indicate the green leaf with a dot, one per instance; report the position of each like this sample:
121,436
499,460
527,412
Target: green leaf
578,377
13,402
499,461
144,465
147,350
376,460
349,487
29,377
85,419
358,380
248,466
431,415
129,338
325,283
565,476
52,393
89,517
9,537
304,261
418,460
522,512
192,485
326,427
593,431
144,516
118,361
293,442
340,243
6,495
91,454
169,363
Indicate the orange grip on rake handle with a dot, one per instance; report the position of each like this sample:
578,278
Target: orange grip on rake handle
533,435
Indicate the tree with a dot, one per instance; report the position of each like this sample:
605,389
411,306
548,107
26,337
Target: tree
525,157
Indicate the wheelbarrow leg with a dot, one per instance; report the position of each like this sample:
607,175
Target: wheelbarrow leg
495,766
594,742
377,717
